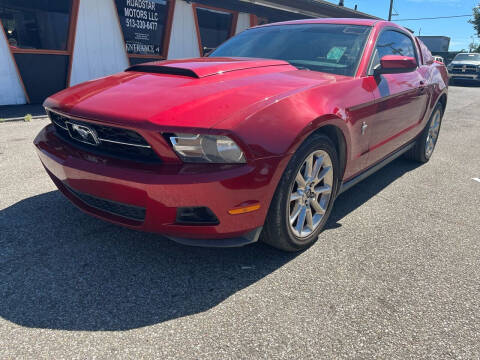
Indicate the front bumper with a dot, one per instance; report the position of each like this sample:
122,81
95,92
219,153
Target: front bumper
159,189
460,76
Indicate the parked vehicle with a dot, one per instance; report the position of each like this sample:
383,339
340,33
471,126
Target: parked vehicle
465,66
256,140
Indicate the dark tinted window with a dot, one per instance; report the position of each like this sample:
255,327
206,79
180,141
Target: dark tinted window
392,43
263,21
143,24
215,27
328,48
461,57
36,24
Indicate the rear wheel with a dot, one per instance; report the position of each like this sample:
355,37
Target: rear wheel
425,144
304,197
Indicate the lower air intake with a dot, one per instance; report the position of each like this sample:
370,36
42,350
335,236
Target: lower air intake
126,211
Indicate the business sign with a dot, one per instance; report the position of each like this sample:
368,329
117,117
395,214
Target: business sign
143,25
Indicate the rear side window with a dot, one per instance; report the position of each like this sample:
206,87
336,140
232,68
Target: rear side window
392,42
426,54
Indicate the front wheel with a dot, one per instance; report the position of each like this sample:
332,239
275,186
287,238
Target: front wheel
304,197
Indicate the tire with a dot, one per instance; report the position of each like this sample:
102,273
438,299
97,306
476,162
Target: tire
278,231
420,152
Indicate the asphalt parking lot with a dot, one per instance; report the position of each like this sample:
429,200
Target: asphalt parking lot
395,275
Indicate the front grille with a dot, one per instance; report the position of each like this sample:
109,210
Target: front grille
131,212
469,69
112,141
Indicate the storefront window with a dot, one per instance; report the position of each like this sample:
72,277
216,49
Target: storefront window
143,24
36,24
262,21
215,27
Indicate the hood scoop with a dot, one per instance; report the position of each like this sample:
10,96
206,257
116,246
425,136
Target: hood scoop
156,69
203,67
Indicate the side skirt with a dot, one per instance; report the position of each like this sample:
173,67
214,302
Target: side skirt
374,168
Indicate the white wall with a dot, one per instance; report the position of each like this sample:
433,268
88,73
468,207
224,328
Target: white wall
243,22
11,91
99,48
184,40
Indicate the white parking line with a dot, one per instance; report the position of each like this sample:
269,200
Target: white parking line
476,179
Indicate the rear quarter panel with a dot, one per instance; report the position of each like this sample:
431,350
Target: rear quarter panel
436,74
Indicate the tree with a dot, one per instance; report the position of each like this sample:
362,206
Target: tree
474,48
476,20
476,25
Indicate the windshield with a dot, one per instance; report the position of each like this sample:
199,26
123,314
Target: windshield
329,48
475,57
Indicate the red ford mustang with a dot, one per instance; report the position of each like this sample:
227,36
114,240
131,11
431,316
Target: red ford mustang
254,141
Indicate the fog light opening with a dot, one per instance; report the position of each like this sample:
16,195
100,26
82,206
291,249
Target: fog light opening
196,216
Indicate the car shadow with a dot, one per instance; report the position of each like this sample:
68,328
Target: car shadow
62,269
363,191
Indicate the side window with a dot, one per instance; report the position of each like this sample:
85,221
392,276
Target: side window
392,42
426,54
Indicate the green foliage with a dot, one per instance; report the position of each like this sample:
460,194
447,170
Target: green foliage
475,48
28,118
476,19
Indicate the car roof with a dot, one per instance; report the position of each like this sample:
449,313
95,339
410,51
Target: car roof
344,21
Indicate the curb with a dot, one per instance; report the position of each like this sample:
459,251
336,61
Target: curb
26,118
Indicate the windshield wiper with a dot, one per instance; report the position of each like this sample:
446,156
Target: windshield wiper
299,67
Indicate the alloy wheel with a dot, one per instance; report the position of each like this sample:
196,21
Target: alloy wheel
310,194
433,132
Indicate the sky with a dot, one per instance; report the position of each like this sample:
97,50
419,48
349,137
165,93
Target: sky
458,29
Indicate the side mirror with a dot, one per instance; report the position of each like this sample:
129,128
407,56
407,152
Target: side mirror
395,64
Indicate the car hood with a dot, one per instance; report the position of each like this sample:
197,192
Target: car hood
465,62
185,93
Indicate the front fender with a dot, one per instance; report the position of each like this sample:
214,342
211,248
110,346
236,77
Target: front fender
278,126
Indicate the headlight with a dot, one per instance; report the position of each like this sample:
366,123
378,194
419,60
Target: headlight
206,149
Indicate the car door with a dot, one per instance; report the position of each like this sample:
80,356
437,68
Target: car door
401,98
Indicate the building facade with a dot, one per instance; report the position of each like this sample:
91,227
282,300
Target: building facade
48,45
436,44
